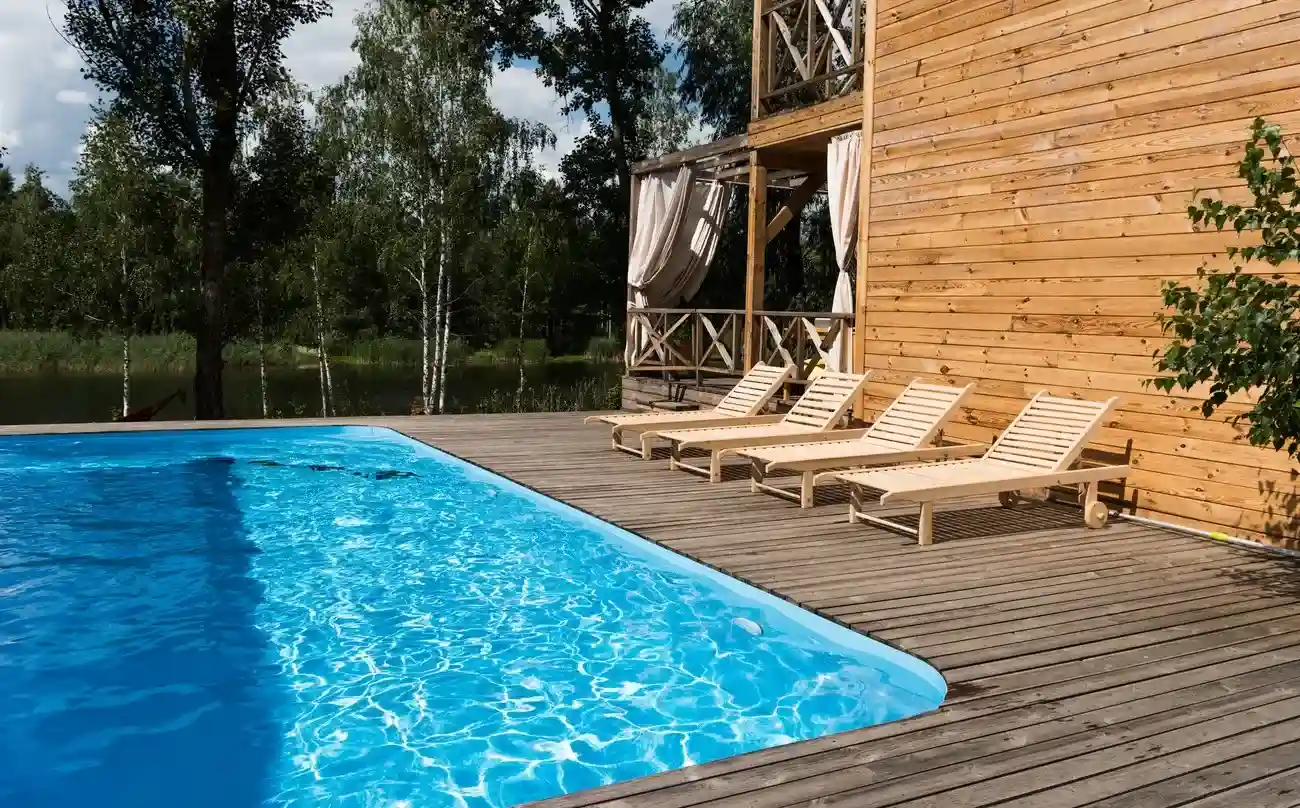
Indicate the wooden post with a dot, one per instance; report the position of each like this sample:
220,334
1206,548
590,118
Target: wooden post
864,197
755,265
757,63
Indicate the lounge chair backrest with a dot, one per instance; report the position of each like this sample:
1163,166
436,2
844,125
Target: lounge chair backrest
826,400
918,414
1050,433
752,392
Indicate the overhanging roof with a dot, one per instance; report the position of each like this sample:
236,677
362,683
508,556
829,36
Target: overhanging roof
725,160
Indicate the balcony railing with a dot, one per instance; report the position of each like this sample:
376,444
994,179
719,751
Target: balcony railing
713,340
811,51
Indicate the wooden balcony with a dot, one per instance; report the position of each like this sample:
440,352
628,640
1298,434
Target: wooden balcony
806,52
713,340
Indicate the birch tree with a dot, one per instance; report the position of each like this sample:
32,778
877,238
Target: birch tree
419,105
121,229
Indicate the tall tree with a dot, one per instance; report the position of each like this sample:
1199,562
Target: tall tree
415,117
184,74
714,43
34,232
603,52
123,234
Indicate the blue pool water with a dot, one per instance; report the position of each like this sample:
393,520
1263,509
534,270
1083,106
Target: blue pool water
345,617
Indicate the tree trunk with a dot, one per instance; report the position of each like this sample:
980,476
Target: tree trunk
329,384
438,316
519,349
209,333
321,367
440,326
126,329
426,379
446,332
126,373
261,354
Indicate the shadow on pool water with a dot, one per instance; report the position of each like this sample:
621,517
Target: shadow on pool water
159,699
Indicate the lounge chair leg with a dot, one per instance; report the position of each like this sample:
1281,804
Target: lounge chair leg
855,504
807,490
674,456
755,475
1095,513
646,451
925,527
715,466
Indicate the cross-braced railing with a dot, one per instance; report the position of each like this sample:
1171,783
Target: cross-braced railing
713,340
805,340
686,340
810,51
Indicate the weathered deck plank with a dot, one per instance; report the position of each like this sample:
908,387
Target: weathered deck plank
1123,667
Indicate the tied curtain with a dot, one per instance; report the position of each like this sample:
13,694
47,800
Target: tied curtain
676,222
843,164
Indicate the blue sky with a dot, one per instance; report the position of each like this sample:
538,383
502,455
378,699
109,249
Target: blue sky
45,103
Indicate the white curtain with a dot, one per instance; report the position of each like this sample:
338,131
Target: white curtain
843,167
697,241
676,226
659,202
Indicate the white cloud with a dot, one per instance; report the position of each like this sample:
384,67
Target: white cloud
321,53
44,101
34,68
659,13
78,97
519,93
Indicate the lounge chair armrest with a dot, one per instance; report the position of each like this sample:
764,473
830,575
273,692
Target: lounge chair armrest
828,435
1046,479
951,452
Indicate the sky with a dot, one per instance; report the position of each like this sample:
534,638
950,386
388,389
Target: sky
45,103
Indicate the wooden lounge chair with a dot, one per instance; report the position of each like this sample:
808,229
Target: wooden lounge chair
1036,451
817,411
741,405
903,433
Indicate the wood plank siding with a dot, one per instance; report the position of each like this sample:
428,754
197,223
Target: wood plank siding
1031,166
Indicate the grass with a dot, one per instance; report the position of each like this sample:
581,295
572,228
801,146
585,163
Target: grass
64,351
587,394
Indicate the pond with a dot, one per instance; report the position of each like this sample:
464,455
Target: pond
55,397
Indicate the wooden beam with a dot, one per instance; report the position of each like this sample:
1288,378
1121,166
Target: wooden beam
758,65
755,263
820,120
717,150
869,16
800,196
805,161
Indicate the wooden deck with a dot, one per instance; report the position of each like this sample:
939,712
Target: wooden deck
1124,667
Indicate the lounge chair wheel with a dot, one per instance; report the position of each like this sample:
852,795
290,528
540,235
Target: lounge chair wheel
1008,499
1096,514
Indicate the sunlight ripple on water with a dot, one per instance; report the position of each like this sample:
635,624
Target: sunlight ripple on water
338,617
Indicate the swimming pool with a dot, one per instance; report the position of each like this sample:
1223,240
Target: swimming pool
346,617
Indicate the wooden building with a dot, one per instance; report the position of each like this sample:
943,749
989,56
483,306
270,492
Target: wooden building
1027,167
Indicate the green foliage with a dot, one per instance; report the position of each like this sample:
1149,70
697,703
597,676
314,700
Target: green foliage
586,395
70,352
714,44
1240,331
604,349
